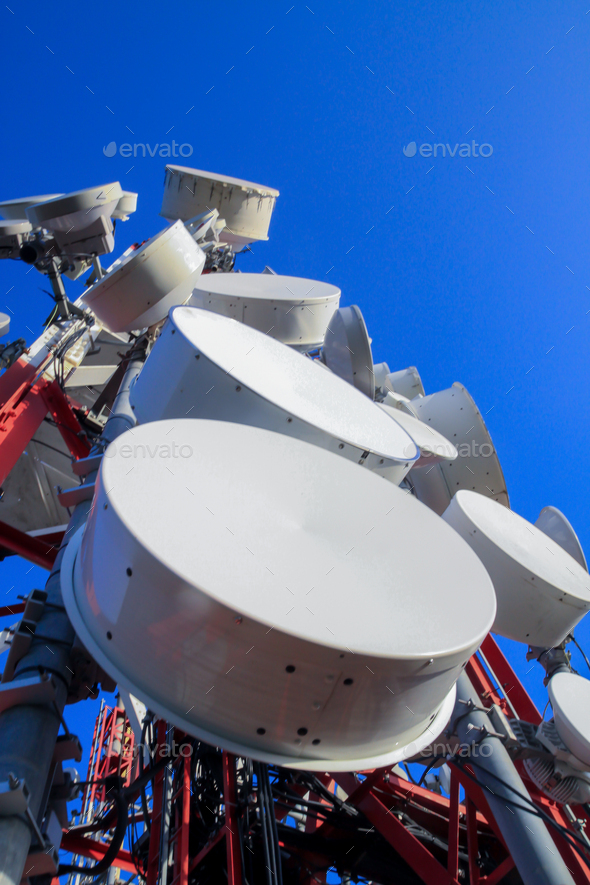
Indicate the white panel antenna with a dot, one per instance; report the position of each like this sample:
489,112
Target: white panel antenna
231,566
552,521
205,365
347,349
292,310
542,591
454,414
140,289
246,207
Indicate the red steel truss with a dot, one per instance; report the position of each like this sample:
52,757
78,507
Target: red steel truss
26,397
383,799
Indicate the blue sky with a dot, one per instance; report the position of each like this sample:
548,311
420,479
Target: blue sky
474,269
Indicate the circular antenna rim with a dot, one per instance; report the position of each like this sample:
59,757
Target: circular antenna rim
187,320
358,344
414,746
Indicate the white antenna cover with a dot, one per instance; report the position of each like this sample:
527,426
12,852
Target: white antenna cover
292,310
380,372
246,207
433,446
12,234
77,210
15,227
230,581
141,289
570,699
406,381
4,324
347,349
454,414
208,366
542,592
126,206
556,526
17,209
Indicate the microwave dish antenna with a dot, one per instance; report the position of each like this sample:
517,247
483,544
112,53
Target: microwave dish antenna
542,591
141,288
570,700
407,382
433,446
454,413
16,210
246,207
295,311
232,568
78,210
347,349
553,523
205,365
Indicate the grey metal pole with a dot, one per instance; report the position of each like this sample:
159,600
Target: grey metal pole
28,733
533,850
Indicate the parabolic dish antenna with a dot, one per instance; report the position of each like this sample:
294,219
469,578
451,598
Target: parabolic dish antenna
570,698
245,206
347,349
454,414
272,599
553,523
4,324
205,365
141,289
126,206
433,446
77,210
290,309
380,371
17,209
542,591
407,382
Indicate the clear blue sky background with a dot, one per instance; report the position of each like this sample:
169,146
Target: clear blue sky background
319,102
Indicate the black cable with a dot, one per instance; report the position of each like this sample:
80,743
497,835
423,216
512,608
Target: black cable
112,851
581,848
265,845
275,834
316,786
429,768
313,814
59,424
40,442
144,802
300,800
267,802
409,773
